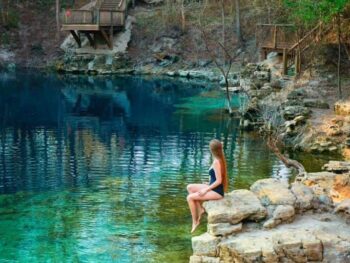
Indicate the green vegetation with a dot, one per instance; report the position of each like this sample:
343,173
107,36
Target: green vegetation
309,12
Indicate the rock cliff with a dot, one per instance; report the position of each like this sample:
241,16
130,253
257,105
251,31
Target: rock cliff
305,221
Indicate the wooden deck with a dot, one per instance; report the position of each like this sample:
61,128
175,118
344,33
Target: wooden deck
101,20
283,39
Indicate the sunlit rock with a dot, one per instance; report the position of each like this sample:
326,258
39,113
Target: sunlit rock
273,192
235,207
224,229
205,245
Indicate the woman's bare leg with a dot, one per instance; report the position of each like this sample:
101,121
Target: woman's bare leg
193,208
195,197
194,188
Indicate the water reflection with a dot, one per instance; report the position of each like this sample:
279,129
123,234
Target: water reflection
94,168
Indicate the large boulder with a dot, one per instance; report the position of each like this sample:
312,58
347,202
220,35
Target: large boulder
235,207
304,196
273,192
205,245
282,214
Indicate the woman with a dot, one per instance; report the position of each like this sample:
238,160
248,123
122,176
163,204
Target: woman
216,188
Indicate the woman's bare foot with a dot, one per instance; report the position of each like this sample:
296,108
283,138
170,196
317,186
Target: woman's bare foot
194,226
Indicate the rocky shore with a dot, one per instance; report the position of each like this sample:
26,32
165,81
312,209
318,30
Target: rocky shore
305,221
305,112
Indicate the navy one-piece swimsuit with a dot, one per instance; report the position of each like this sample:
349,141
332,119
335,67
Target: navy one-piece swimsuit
220,188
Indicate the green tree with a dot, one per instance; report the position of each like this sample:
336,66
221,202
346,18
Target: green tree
306,13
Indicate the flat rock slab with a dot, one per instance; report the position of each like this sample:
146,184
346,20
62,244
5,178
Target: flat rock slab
337,167
235,207
273,192
308,239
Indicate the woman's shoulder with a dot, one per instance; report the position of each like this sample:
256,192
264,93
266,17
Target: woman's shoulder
216,163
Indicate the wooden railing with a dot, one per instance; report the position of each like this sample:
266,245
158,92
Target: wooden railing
283,38
276,36
71,17
96,16
294,53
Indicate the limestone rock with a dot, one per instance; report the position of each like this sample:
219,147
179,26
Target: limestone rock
290,112
299,93
320,182
223,229
315,103
262,75
304,196
344,209
337,167
153,2
235,207
331,185
282,213
205,245
273,192
342,108
204,259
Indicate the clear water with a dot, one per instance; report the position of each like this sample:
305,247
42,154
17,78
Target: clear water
94,169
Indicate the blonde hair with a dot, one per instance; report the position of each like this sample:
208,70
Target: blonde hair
216,149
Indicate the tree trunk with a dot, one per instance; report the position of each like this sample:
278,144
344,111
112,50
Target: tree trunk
228,96
58,18
339,55
238,21
223,21
289,163
183,16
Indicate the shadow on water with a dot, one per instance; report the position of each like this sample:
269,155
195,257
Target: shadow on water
95,169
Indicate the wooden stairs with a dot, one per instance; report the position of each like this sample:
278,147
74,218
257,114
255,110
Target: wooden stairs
293,54
282,38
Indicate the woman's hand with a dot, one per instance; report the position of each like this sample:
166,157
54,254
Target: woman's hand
203,191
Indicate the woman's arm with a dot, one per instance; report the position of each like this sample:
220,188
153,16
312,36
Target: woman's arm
218,181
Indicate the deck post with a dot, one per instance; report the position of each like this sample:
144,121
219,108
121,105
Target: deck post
107,39
91,40
111,31
285,62
297,63
76,37
275,37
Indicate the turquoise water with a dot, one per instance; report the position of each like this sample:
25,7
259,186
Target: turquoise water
94,169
